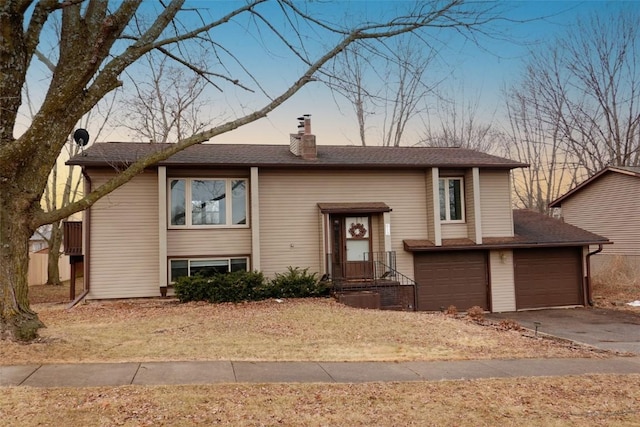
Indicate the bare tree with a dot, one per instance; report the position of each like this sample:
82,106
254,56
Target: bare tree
535,138
168,106
589,82
54,198
387,82
63,185
406,91
349,79
99,41
457,124
575,109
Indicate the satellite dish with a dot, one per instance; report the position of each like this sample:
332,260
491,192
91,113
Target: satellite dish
81,137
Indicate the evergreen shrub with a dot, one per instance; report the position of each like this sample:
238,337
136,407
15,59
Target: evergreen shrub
249,286
222,287
296,283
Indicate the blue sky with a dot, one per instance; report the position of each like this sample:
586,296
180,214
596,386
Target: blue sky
468,70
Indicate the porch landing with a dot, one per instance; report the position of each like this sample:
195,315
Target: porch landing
381,294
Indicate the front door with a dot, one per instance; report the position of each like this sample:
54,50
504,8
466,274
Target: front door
351,244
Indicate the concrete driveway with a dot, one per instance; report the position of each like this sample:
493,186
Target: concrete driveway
606,329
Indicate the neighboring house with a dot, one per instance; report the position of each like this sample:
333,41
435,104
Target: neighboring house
425,227
38,240
608,204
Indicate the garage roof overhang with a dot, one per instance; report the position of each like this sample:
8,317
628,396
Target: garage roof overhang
531,230
354,207
489,243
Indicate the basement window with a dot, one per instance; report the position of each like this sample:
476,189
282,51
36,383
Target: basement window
205,267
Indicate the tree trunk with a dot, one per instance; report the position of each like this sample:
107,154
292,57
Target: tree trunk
17,320
53,259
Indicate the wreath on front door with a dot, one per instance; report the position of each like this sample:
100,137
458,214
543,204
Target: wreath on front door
357,230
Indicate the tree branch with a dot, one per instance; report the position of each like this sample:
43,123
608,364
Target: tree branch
137,167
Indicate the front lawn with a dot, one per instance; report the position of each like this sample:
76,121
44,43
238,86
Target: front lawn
292,330
312,329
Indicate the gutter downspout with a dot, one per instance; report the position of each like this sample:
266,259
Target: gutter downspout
588,281
87,240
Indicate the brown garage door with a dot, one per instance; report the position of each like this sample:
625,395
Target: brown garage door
451,278
549,277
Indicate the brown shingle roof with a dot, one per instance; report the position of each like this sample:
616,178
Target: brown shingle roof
531,229
537,228
234,155
354,207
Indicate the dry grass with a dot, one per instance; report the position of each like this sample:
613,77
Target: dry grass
318,329
294,330
616,285
39,294
598,400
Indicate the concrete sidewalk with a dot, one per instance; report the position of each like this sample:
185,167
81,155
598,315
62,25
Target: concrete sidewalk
156,373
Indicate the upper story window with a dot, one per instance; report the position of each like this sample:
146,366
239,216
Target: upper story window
451,199
207,202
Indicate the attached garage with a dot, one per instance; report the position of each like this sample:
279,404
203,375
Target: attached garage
540,266
457,278
548,277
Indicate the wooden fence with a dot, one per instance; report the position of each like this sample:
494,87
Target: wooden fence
38,268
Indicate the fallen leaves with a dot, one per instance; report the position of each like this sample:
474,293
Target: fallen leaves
571,400
294,329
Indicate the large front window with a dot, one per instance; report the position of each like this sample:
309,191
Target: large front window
205,267
207,202
451,199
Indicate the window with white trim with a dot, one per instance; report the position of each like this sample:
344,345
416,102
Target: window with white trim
451,199
207,202
205,267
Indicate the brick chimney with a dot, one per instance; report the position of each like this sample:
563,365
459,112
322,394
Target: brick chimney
303,143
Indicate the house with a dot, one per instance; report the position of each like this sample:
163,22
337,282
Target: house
424,227
608,204
39,240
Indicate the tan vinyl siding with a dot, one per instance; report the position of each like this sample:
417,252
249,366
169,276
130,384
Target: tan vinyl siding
209,242
124,239
610,207
291,234
503,297
454,231
495,202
